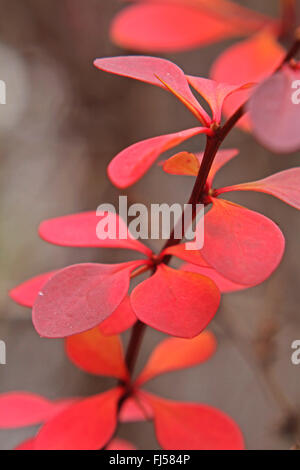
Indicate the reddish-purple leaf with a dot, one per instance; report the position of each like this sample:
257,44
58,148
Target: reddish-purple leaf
120,320
97,354
190,426
91,229
174,26
185,163
242,245
177,353
197,264
80,297
25,294
175,302
87,425
260,55
133,162
284,185
21,409
156,71
215,93
275,112
224,285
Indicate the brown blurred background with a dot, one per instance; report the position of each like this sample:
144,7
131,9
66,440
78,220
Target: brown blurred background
63,123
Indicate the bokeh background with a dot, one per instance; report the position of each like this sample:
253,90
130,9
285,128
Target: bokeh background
62,124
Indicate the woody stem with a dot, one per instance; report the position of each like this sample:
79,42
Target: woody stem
134,345
213,144
288,17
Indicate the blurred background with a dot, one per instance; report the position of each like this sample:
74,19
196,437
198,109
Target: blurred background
61,126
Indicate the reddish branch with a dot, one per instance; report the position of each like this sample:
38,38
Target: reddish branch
213,144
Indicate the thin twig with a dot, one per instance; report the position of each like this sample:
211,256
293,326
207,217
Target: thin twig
213,144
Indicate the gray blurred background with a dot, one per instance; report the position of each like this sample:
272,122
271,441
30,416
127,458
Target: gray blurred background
63,123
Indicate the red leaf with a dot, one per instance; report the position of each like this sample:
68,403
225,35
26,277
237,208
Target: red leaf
273,113
185,163
182,163
21,409
224,285
215,93
260,55
176,26
25,294
242,245
97,354
189,426
120,444
135,409
80,297
132,163
285,185
83,230
176,353
26,445
156,71
87,425
177,303
197,264
120,320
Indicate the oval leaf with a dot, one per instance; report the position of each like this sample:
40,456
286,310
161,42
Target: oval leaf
176,353
25,294
80,297
284,185
197,264
185,163
224,285
215,93
97,354
274,110
261,54
189,426
242,245
177,303
90,229
176,26
87,425
22,409
182,163
132,163
156,71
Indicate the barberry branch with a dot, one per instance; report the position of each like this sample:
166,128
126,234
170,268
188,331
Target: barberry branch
213,143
